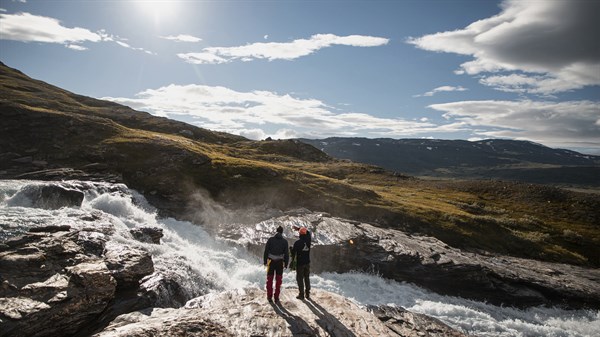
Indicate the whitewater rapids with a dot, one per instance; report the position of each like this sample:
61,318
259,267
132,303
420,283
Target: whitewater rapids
204,264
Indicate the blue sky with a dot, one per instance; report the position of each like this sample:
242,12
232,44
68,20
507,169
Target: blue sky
468,69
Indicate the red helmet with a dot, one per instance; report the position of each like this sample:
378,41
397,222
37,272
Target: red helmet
303,230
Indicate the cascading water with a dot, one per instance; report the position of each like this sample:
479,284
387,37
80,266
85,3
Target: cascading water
204,264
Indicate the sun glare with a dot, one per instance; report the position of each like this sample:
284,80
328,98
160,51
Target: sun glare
158,10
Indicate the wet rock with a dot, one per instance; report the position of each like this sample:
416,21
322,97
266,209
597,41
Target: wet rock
127,265
147,234
164,323
48,197
33,304
246,312
93,243
409,324
163,291
59,282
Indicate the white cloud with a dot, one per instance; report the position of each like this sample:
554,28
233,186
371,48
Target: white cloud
445,88
255,134
26,27
181,38
266,36
258,134
223,109
547,46
2,10
76,47
127,45
565,124
202,58
280,50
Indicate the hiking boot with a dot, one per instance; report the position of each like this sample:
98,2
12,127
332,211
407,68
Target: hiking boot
270,300
307,296
300,297
277,300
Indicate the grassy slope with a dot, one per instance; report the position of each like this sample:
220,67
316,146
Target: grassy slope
151,154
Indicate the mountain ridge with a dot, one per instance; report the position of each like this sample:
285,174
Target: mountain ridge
485,159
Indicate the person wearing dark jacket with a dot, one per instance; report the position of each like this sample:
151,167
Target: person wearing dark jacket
301,255
275,257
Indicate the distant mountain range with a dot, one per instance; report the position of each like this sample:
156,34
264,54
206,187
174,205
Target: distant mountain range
485,159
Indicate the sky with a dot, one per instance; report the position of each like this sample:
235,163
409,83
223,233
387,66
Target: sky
443,69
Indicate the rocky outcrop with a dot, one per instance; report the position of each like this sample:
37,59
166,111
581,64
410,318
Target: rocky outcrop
49,196
61,281
343,245
147,234
128,265
409,324
246,312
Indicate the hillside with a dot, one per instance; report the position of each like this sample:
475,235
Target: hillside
49,133
485,159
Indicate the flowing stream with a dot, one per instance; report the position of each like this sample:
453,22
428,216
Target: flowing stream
204,264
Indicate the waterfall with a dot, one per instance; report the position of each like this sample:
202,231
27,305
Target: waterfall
203,264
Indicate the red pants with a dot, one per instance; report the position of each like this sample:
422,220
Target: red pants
276,267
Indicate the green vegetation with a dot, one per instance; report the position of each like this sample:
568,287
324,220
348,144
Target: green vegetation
168,161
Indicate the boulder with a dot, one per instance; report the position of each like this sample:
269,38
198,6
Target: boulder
164,290
53,287
56,281
164,323
147,234
51,196
409,324
127,265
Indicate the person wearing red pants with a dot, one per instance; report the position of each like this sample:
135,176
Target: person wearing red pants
276,258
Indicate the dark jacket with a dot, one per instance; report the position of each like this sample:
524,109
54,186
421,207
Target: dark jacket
277,249
301,250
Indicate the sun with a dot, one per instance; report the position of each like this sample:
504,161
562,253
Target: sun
158,10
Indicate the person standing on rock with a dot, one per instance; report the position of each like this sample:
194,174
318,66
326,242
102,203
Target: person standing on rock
301,256
276,258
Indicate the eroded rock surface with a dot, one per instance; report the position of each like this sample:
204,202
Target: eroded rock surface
59,281
409,324
147,234
52,196
246,312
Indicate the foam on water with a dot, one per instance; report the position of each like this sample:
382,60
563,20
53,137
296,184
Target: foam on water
204,264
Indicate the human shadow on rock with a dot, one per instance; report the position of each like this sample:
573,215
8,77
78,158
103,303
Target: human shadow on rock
327,321
298,326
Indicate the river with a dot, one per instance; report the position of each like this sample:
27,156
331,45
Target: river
204,264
